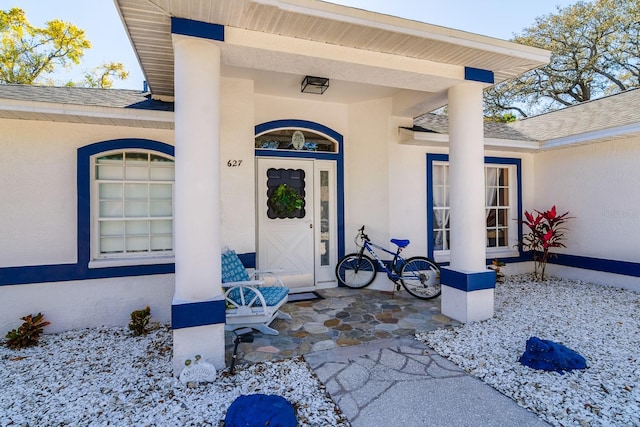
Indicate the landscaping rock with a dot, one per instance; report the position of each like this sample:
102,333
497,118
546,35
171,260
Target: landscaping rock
260,410
551,356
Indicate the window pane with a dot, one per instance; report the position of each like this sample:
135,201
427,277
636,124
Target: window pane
162,159
109,172
112,228
161,208
503,216
110,191
325,255
110,209
137,209
161,243
161,191
134,202
503,237
111,158
504,177
109,245
281,139
137,191
136,158
137,228
137,173
162,173
137,244
504,197
162,226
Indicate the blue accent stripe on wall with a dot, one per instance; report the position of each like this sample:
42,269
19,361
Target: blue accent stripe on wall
468,282
338,157
203,30
190,315
478,75
605,265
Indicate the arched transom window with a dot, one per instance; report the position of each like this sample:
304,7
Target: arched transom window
295,140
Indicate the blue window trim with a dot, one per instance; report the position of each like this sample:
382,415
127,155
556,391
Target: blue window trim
338,157
80,270
431,158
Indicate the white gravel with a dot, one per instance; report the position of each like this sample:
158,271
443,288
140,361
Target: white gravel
601,323
103,376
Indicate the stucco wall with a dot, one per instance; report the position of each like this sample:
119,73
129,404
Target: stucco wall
87,303
598,184
38,187
237,169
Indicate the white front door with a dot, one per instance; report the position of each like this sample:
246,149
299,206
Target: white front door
286,211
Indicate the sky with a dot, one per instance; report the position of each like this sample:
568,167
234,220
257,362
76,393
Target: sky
110,43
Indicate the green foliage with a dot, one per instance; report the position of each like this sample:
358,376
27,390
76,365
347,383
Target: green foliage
103,75
595,51
28,333
285,200
140,321
28,54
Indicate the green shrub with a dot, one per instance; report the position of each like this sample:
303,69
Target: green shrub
28,333
140,321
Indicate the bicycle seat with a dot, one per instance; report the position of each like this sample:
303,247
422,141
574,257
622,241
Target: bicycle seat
400,243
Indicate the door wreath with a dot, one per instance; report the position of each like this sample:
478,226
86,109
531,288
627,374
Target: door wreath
285,201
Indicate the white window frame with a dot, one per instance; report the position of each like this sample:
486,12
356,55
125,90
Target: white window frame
143,257
511,249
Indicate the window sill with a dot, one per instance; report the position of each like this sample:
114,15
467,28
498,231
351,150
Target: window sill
445,257
127,262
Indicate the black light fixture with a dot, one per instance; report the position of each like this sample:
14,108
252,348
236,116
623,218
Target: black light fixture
316,85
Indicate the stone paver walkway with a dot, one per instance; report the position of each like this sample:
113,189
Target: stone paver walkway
345,317
400,382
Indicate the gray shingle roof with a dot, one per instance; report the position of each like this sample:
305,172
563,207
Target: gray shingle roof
599,114
603,113
440,124
117,98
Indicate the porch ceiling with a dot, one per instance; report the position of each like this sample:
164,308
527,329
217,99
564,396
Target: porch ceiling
365,54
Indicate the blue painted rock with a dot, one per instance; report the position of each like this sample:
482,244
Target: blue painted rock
550,356
260,410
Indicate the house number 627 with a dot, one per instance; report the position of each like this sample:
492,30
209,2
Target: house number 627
234,163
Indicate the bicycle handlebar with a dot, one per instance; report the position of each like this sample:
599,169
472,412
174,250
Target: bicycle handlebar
362,235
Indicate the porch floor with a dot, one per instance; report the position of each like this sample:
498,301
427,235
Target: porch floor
345,317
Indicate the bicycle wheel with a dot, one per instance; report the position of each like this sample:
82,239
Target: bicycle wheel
356,272
421,277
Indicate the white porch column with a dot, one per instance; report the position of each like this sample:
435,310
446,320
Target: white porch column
467,291
198,307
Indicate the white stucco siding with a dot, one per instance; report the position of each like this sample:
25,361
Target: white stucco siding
407,191
38,187
87,303
598,184
367,171
237,169
313,109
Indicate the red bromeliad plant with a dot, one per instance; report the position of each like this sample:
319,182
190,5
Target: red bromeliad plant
546,231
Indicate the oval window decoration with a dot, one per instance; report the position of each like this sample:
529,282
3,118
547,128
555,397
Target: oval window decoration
297,140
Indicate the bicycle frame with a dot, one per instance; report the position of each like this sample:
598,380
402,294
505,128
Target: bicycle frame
396,256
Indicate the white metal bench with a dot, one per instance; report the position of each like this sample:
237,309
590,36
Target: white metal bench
251,304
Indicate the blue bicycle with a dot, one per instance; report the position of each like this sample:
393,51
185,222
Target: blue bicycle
419,275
